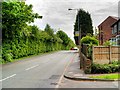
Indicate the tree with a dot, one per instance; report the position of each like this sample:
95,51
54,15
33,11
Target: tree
67,42
89,40
63,36
85,23
15,16
49,30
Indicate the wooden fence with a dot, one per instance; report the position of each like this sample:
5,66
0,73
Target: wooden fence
102,54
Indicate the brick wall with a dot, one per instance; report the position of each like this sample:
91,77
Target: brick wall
105,30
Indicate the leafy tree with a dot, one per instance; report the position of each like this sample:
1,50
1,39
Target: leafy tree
49,30
66,40
21,39
89,40
15,16
63,36
85,23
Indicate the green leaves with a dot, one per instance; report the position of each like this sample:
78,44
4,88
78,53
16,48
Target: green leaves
15,15
89,40
67,42
21,40
85,23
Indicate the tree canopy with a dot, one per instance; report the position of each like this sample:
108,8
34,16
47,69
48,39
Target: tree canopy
85,23
89,40
21,39
15,16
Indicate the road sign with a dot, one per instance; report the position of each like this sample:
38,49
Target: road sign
76,33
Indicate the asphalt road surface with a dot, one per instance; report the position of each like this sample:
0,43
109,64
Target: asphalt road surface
43,71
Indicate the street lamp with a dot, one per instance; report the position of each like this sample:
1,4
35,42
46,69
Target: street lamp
79,29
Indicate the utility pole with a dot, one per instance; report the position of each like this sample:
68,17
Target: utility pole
79,29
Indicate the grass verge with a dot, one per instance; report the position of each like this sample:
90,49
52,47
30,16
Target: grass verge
107,76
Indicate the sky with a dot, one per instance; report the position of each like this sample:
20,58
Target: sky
56,14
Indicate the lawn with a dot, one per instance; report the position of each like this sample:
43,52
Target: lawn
106,76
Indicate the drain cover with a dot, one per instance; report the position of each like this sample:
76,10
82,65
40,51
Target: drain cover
54,84
54,77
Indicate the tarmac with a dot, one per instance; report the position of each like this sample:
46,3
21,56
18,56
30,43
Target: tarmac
74,72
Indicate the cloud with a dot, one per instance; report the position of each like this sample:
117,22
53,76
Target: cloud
55,12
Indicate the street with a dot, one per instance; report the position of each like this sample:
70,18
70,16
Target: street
45,71
36,72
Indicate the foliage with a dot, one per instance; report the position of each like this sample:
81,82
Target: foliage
15,15
49,30
66,40
105,68
89,40
85,23
108,43
20,39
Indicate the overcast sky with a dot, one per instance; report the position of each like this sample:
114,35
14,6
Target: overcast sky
56,14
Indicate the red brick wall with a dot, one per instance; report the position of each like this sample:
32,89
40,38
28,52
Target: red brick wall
105,27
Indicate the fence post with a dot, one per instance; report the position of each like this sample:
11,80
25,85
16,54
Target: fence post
110,53
93,54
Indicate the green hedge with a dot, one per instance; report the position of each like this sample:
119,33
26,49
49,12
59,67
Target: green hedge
14,50
105,68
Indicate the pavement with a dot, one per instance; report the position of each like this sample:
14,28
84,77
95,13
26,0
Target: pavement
74,72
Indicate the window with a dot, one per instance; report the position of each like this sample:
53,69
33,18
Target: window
119,26
118,39
115,29
112,30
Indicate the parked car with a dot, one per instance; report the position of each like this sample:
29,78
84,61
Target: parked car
74,48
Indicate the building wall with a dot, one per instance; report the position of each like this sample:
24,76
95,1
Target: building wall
105,30
116,33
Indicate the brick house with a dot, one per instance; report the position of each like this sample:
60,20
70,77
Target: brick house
105,29
116,33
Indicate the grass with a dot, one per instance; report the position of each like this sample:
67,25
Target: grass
107,76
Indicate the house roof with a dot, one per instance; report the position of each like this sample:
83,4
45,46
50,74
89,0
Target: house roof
116,18
115,22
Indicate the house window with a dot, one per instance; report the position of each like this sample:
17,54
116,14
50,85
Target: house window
118,39
112,30
115,29
119,26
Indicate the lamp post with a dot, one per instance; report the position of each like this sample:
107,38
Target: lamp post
79,29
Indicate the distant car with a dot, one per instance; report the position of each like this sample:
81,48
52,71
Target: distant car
75,48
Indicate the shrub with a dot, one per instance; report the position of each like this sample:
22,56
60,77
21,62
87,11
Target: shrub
105,68
8,57
89,40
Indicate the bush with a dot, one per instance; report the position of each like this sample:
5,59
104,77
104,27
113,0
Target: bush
105,68
8,57
89,40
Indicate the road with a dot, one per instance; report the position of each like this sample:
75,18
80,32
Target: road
42,71
45,71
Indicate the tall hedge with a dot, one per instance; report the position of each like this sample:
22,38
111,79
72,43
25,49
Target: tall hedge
20,39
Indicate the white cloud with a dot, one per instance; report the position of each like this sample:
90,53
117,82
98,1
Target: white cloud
55,12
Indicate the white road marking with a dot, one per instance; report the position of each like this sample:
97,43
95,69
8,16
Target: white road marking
7,77
32,67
